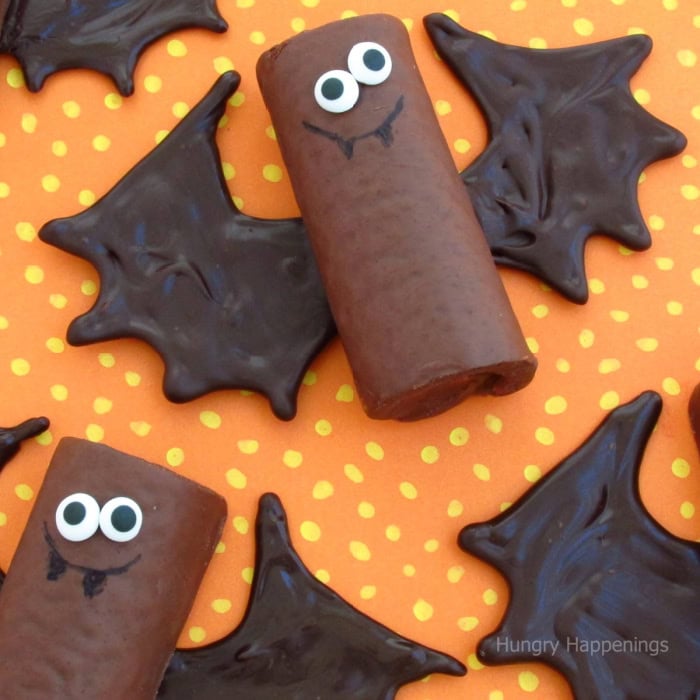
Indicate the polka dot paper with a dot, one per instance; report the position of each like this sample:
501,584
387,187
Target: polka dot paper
374,507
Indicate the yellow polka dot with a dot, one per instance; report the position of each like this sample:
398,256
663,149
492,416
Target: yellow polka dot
609,400
298,24
619,316
544,436
360,550
272,172
71,109
24,492
241,525
175,456
310,3
113,100
642,96
459,436
690,192
161,136
695,276
94,432
656,223
586,338
689,161
181,110
140,428
50,183
59,148
102,405
474,663
532,344
33,274
245,4
107,360
409,570
323,576
431,546
687,58
4,323
609,365
101,143
177,48
3,519
674,308
393,533
87,198
29,122
532,473
640,282
20,367
221,605
528,681
670,4
257,37
292,459
408,490
443,107
430,454
455,574
374,450
467,624
366,510
453,15
540,311
680,468
498,694
247,574
220,548
15,78
647,344
555,405
310,378
481,472
596,286
664,264
222,64
368,592
228,170
197,634
55,345
59,392
563,365
462,146
153,83
323,427
345,394
236,478
4,190
3,140
422,610
493,423
455,508
687,510
58,301
210,419
518,5
354,473
133,379
323,490
489,596
583,26
671,386
248,447
310,531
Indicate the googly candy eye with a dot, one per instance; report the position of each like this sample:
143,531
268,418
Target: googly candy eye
78,517
369,63
336,91
121,519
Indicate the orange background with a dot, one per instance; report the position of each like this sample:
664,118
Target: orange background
374,507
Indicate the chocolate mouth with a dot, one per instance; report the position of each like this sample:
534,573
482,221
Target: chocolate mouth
94,580
383,132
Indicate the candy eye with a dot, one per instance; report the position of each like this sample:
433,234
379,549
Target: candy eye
77,517
121,519
336,91
369,63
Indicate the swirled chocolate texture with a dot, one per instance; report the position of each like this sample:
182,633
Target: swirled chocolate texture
299,639
567,144
599,589
108,36
11,438
228,300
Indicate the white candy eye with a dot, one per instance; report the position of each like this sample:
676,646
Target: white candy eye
369,63
336,91
78,517
121,519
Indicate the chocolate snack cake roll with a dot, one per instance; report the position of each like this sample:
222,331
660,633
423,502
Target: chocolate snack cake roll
104,576
419,305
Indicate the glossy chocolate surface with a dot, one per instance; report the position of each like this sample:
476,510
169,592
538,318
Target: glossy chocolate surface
567,144
599,590
299,640
228,300
694,414
108,36
11,438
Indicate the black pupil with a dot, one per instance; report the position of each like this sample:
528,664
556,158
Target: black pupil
332,88
123,518
374,59
74,513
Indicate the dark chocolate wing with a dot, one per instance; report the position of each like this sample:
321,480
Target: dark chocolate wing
228,300
108,36
567,144
299,640
10,438
599,590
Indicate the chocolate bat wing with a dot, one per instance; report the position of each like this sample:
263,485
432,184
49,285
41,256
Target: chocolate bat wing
108,36
599,589
299,639
228,300
567,144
